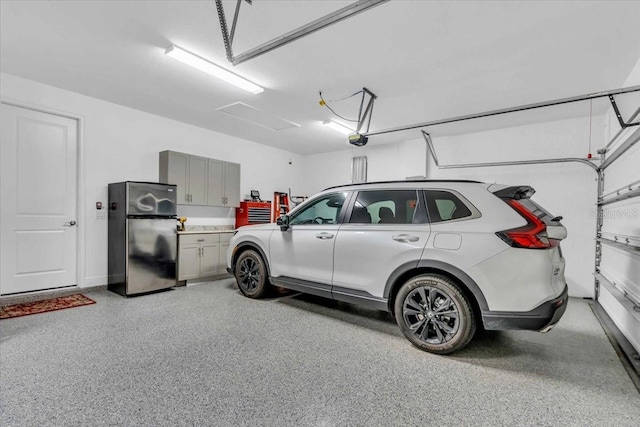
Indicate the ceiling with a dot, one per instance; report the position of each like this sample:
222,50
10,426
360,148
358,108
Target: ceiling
425,60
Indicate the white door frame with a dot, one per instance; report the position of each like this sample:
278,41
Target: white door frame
80,237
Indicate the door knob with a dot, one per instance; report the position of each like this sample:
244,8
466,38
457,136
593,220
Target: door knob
69,223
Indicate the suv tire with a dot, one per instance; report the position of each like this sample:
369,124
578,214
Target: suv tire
433,313
251,274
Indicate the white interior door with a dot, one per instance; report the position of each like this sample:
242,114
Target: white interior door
38,182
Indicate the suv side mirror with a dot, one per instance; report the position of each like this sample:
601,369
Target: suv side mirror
283,222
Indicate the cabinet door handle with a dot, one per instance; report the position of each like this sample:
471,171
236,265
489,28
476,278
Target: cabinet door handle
200,240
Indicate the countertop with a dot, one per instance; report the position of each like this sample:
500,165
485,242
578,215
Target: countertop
205,231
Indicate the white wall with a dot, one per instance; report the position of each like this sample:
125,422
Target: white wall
564,189
384,162
121,144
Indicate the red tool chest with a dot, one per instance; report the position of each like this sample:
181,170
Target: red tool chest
253,213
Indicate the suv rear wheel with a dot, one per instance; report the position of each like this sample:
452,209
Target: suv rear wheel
434,314
251,274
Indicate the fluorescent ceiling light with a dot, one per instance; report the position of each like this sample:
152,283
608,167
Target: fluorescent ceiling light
210,68
338,127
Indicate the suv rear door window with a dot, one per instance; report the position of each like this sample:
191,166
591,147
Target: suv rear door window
388,207
445,206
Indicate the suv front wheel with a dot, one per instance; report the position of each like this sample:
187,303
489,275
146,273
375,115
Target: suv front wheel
251,274
433,313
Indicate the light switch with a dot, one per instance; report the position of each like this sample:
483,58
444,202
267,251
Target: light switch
100,211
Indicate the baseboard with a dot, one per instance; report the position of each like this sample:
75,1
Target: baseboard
90,282
45,294
206,279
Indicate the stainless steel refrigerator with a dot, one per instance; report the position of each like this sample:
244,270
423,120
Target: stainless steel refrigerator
142,237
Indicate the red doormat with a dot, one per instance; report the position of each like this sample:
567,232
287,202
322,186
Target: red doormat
52,304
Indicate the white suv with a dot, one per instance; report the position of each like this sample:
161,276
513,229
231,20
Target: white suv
444,257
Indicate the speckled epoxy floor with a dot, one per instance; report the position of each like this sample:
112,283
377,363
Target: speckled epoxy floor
205,355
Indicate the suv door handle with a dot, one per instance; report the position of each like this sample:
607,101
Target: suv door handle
324,236
405,238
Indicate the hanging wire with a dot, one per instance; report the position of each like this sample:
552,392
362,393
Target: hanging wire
326,104
346,97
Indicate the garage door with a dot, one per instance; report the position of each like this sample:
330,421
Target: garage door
618,272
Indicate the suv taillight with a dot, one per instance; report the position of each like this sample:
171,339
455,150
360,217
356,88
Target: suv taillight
532,235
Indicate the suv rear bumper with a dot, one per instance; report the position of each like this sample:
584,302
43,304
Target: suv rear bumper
542,318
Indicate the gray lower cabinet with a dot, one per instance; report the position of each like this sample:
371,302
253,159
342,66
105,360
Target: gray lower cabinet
202,255
201,181
198,255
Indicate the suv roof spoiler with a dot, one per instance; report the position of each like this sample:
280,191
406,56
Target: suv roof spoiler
405,181
516,193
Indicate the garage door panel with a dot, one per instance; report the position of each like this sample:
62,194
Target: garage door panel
623,269
624,170
622,218
617,306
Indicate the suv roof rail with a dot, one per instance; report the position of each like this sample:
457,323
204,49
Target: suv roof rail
400,181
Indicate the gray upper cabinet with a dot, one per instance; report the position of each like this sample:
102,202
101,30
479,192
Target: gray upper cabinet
189,173
215,190
201,181
224,184
232,184
174,169
197,180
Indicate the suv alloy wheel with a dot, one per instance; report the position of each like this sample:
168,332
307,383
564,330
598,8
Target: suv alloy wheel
434,314
251,274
